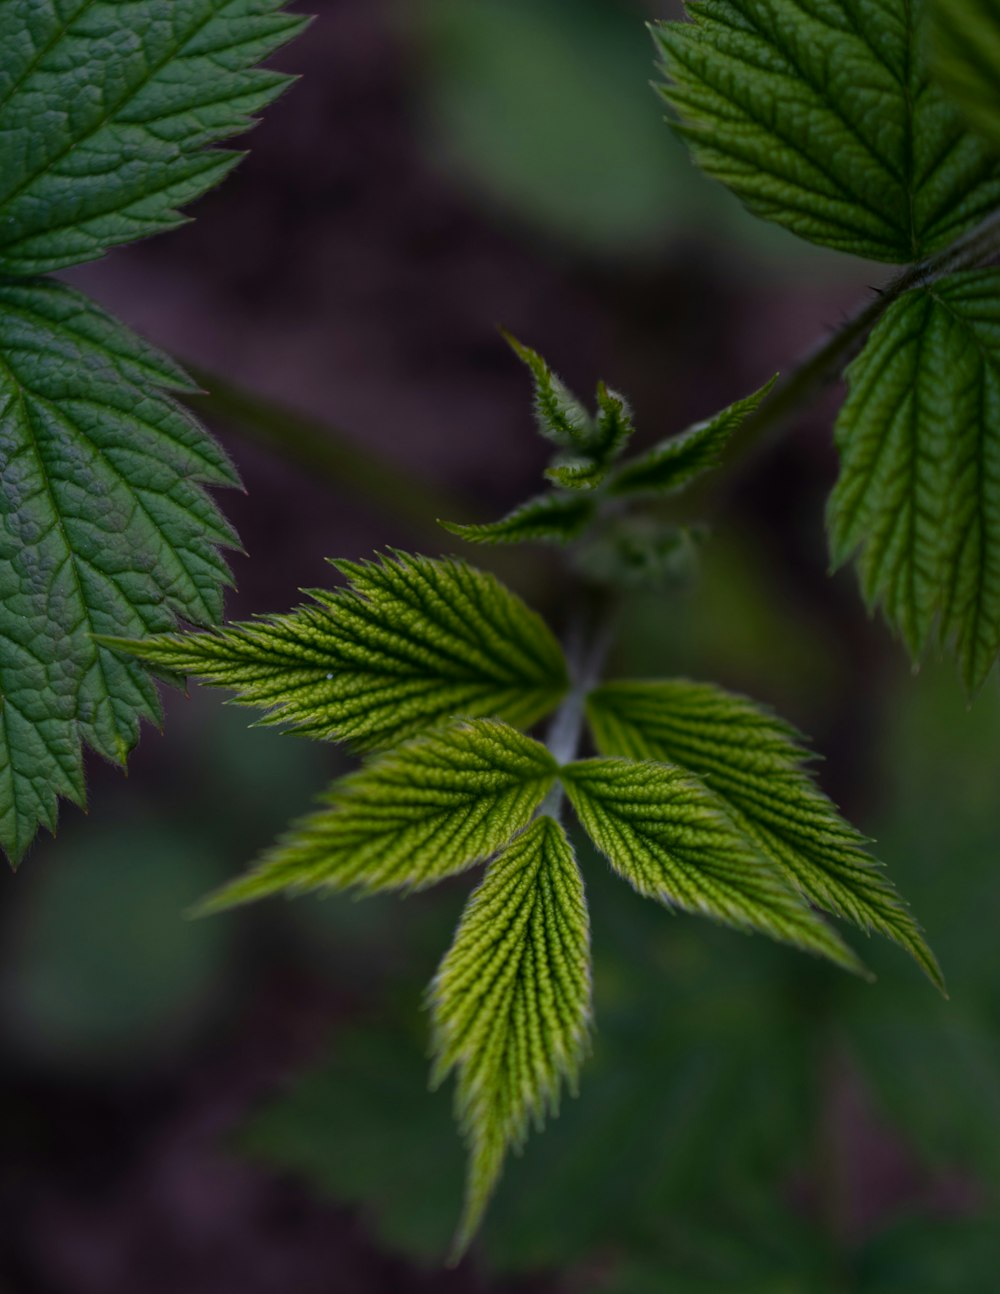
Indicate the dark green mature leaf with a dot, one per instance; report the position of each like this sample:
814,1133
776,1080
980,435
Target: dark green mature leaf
105,528
919,491
673,463
106,109
433,807
411,642
754,763
511,1003
821,116
549,518
668,837
967,59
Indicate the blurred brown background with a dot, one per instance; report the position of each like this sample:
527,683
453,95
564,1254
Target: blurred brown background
239,1104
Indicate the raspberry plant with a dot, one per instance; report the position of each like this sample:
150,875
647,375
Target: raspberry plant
869,126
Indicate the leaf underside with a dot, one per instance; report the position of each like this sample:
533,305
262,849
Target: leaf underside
511,1003
670,839
821,115
410,643
106,111
105,528
967,59
754,764
434,806
918,498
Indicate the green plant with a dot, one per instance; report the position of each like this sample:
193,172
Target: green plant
868,127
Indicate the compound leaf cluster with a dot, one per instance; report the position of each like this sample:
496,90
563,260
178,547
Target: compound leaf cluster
872,127
105,525
700,802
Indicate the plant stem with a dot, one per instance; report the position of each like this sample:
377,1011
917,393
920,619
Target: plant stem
826,362
324,450
587,644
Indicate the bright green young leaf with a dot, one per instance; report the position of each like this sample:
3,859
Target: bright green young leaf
820,115
754,764
670,839
918,497
434,806
411,642
673,463
967,59
511,1003
549,518
106,111
105,529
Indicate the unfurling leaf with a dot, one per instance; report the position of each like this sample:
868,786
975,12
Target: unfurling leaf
967,59
105,529
410,643
106,111
549,518
511,1003
918,497
823,118
753,763
670,839
435,806
559,415
674,463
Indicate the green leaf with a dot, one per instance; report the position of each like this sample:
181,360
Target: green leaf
967,59
105,529
435,806
106,111
670,839
411,642
612,430
674,463
821,115
549,518
559,415
511,1003
754,764
918,497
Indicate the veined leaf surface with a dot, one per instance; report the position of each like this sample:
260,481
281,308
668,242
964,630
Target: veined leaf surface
511,1002
918,499
754,763
106,109
665,834
433,807
821,115
105,529
411,642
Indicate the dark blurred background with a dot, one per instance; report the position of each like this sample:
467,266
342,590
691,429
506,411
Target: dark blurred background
240,1104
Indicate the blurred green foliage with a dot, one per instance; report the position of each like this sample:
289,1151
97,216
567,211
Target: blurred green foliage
545,108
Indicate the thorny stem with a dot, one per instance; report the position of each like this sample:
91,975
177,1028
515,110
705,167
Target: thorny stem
827,360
